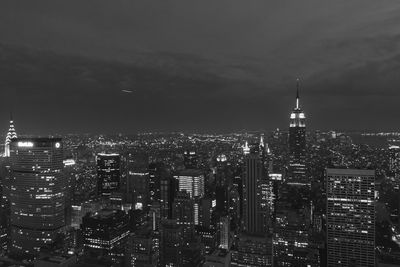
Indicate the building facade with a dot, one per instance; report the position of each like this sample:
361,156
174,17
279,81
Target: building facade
108,173
37,194
350,217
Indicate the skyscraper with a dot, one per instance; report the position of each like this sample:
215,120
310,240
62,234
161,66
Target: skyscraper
105,234
37,193
191,181
394,160
252,251
142,248
350,217
138,187
224,228
184,214
254,176
171,243
190,159
297,145
11,135
108,173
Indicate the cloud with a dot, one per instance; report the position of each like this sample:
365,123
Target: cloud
190,60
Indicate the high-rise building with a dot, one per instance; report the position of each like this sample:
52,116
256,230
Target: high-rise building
224,230
292,246
138,179
37,194
208,237
171,242
297,145
108,173
394,160
184,214
11,135
253,211
223,183
252,251
155,215
219,258
190,159
350,217
142,248
191,181
157,171
165,199
105,234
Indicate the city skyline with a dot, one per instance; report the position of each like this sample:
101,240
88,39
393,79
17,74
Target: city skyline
200,134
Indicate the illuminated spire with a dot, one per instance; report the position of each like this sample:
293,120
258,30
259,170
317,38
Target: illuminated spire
262,140
268,150
246,148
11,135
297,117
297,95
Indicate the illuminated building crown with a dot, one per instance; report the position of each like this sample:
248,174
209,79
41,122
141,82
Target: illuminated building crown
297,117
11,135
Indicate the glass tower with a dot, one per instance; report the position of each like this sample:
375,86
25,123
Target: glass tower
37,194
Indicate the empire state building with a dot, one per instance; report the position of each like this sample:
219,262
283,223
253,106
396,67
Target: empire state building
297,145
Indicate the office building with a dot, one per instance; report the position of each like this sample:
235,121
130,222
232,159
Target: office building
138,181
219,258
190,159
350,217
143,248
191,181
108,173
394,160
105,234
37,194
297,145
253,212
224,230
252,251
171,242
184,214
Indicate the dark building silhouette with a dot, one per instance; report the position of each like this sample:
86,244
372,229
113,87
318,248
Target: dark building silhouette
143,248
108,173
297,145
223,184
138,181
292,244
171,243
190,159
184,214
168,188
37,194
254,177
252,251
105,235
157,171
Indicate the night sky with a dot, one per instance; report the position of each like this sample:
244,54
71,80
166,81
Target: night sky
199,66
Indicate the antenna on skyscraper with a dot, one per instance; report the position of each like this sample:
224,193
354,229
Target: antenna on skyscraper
297,94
